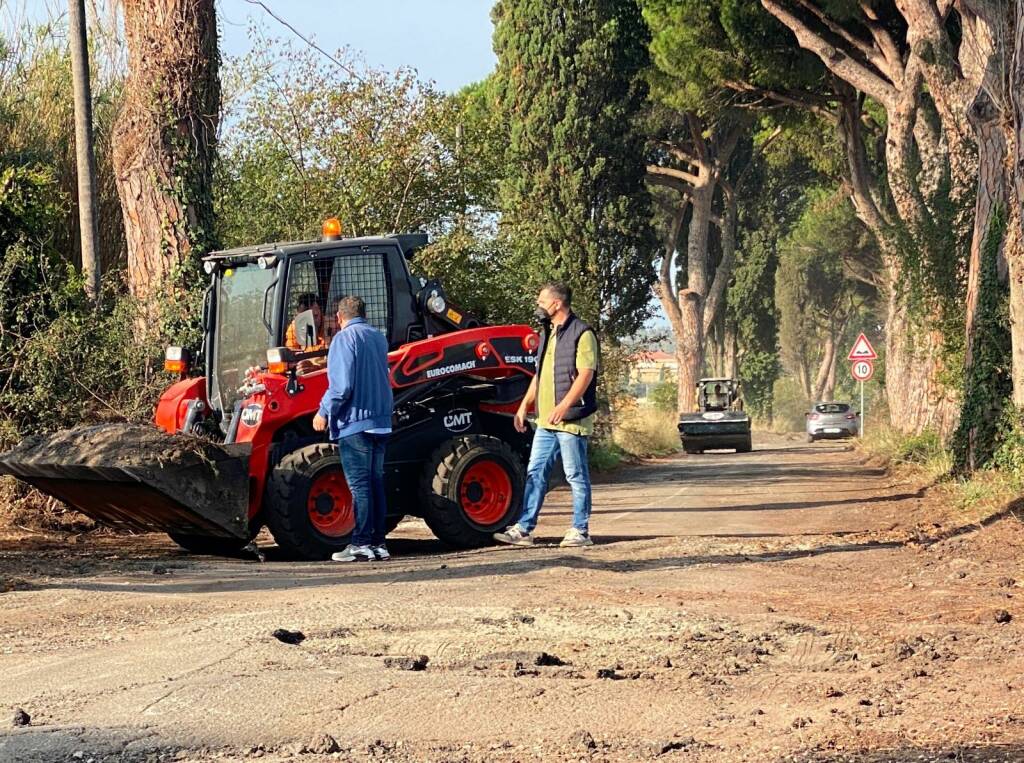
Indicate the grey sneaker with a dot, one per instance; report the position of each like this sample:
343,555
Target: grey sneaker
514,536
575,539
381,552
354,554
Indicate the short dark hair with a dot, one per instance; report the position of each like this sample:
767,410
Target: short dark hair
306,300
350,307
559,290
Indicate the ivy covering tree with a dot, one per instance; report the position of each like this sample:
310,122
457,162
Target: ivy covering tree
569,84
164,144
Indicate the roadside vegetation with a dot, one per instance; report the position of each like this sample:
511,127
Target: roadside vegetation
925,459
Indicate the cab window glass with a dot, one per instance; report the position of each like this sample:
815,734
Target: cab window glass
331,278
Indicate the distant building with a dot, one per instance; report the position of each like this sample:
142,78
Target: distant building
649,369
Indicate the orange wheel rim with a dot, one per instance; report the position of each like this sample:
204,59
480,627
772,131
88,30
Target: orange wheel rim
485,492
330,506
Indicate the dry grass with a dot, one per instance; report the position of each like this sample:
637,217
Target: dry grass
646,432
923,454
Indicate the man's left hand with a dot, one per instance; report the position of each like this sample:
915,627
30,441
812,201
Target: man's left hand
557,414
319,423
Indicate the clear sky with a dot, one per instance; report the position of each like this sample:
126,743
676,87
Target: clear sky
448,41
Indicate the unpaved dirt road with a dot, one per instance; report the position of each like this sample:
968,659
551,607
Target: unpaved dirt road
793,603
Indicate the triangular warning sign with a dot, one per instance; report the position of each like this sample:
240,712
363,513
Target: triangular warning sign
862,350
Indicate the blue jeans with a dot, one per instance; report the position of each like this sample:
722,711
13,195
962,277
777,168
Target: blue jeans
362,460
548,444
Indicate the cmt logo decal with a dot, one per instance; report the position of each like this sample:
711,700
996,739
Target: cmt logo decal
458,420
452,369
252,414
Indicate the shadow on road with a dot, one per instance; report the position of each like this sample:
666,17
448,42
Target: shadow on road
500,562
745,473
989,753
44,744
783,506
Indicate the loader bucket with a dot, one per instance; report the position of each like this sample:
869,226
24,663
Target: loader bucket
140,478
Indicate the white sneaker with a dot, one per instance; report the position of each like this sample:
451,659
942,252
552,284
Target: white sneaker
575,539
354,554
514,536
381,552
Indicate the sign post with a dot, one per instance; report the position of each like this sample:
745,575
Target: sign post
862,356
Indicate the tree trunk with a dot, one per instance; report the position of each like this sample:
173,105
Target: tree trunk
825,368
692,308
731,363
85,154
1015,237
829,393
917,398
991,195
689,349
803,376
164,138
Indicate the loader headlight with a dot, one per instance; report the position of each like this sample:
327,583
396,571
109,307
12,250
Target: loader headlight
176,360
277,360
436,303
209,266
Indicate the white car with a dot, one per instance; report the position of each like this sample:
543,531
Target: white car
832,420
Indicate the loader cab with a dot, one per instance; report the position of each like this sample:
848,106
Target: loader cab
256,293
717,394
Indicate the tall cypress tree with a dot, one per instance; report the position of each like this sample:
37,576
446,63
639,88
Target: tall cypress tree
570,87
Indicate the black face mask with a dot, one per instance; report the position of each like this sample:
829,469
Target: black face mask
541,315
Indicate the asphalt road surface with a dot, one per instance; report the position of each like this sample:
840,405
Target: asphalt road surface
791,603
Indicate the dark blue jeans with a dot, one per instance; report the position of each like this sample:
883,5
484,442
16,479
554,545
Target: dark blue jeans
362,460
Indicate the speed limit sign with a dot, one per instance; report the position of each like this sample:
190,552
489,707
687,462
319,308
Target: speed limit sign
862,370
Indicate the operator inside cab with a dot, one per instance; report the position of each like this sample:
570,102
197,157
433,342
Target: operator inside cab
718,400
307,301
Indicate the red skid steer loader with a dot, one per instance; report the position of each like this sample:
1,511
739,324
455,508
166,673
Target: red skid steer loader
234,450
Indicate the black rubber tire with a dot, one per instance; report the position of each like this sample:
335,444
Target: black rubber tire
746,447
693,451
206,545
285,502
440,486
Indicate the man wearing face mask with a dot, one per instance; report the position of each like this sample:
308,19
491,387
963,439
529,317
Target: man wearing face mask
565,392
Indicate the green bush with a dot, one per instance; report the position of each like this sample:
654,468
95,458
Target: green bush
664,396
919,449
85,365
1009,454
788,405
604,456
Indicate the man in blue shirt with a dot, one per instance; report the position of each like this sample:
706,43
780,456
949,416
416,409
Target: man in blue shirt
357,410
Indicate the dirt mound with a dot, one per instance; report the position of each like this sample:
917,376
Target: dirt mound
115,445
139,477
